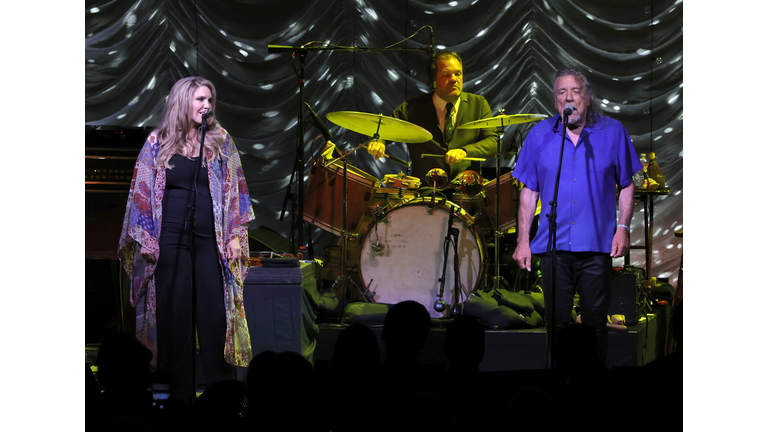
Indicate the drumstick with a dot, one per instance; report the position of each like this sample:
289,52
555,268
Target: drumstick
442,156
393,159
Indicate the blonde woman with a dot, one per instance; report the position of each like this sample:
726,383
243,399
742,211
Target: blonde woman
156,241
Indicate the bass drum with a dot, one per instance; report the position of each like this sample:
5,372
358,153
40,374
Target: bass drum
401,256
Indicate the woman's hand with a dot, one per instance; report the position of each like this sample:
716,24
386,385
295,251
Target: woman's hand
233,249
147,254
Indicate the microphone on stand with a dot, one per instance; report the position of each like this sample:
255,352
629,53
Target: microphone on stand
319,124
208,114
439,303
567,111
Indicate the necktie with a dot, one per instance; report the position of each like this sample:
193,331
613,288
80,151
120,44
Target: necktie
448,133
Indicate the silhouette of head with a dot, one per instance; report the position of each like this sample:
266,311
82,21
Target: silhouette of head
464,343
405,331
124,363
222,403
356,348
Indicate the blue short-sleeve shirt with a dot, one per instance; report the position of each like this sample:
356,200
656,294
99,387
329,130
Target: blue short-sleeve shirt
586,209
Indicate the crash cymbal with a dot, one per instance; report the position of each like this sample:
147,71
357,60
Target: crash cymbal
502,120
389,128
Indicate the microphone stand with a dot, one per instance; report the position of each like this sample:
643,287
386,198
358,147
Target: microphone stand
552,248
189,228
457,307
439,303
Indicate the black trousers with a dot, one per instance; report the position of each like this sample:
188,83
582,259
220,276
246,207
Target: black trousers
175,325
586,273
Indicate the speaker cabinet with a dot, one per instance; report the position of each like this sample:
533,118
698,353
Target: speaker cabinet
624,297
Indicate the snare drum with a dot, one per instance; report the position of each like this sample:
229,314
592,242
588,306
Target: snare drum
401,257
324,199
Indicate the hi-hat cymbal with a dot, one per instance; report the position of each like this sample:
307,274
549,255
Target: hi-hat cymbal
389,128
502,120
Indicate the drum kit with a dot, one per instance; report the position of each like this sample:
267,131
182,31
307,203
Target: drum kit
399,254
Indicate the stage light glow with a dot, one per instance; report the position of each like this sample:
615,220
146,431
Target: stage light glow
376,99
643,52
673,99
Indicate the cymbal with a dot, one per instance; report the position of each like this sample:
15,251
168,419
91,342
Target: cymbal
502,120
389,128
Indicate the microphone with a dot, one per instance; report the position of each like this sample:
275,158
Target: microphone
319,124
208,114
439,304
568,110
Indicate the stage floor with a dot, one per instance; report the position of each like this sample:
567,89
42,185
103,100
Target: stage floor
507,350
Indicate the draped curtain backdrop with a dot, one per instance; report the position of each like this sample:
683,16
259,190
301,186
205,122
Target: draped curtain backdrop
630,50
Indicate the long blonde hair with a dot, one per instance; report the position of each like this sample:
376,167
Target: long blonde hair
175,125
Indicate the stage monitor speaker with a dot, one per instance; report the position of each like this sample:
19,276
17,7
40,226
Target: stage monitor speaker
263,239
624,297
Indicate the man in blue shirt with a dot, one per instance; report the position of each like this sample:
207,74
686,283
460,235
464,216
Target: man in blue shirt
598,162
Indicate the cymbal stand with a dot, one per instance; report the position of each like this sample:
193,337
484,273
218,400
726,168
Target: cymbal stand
344,276
497,230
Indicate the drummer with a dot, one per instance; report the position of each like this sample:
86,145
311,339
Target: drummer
440,113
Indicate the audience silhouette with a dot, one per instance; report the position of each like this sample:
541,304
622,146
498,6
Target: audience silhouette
359,392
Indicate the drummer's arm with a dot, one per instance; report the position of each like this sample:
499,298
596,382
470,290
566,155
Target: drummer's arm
528,201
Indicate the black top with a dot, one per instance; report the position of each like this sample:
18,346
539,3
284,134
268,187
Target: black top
178,197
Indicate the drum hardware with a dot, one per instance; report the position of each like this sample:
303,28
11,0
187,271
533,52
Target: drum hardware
439,305
378,247
435,176
498,122
401,181
471,159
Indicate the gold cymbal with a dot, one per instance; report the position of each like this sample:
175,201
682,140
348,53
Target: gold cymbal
389,128
502,120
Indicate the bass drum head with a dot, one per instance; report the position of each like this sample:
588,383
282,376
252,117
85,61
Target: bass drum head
402,257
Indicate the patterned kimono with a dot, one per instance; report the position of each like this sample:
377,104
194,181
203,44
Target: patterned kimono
232,213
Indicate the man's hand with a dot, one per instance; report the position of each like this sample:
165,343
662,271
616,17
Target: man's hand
454,156
620,244
523,255
376,148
